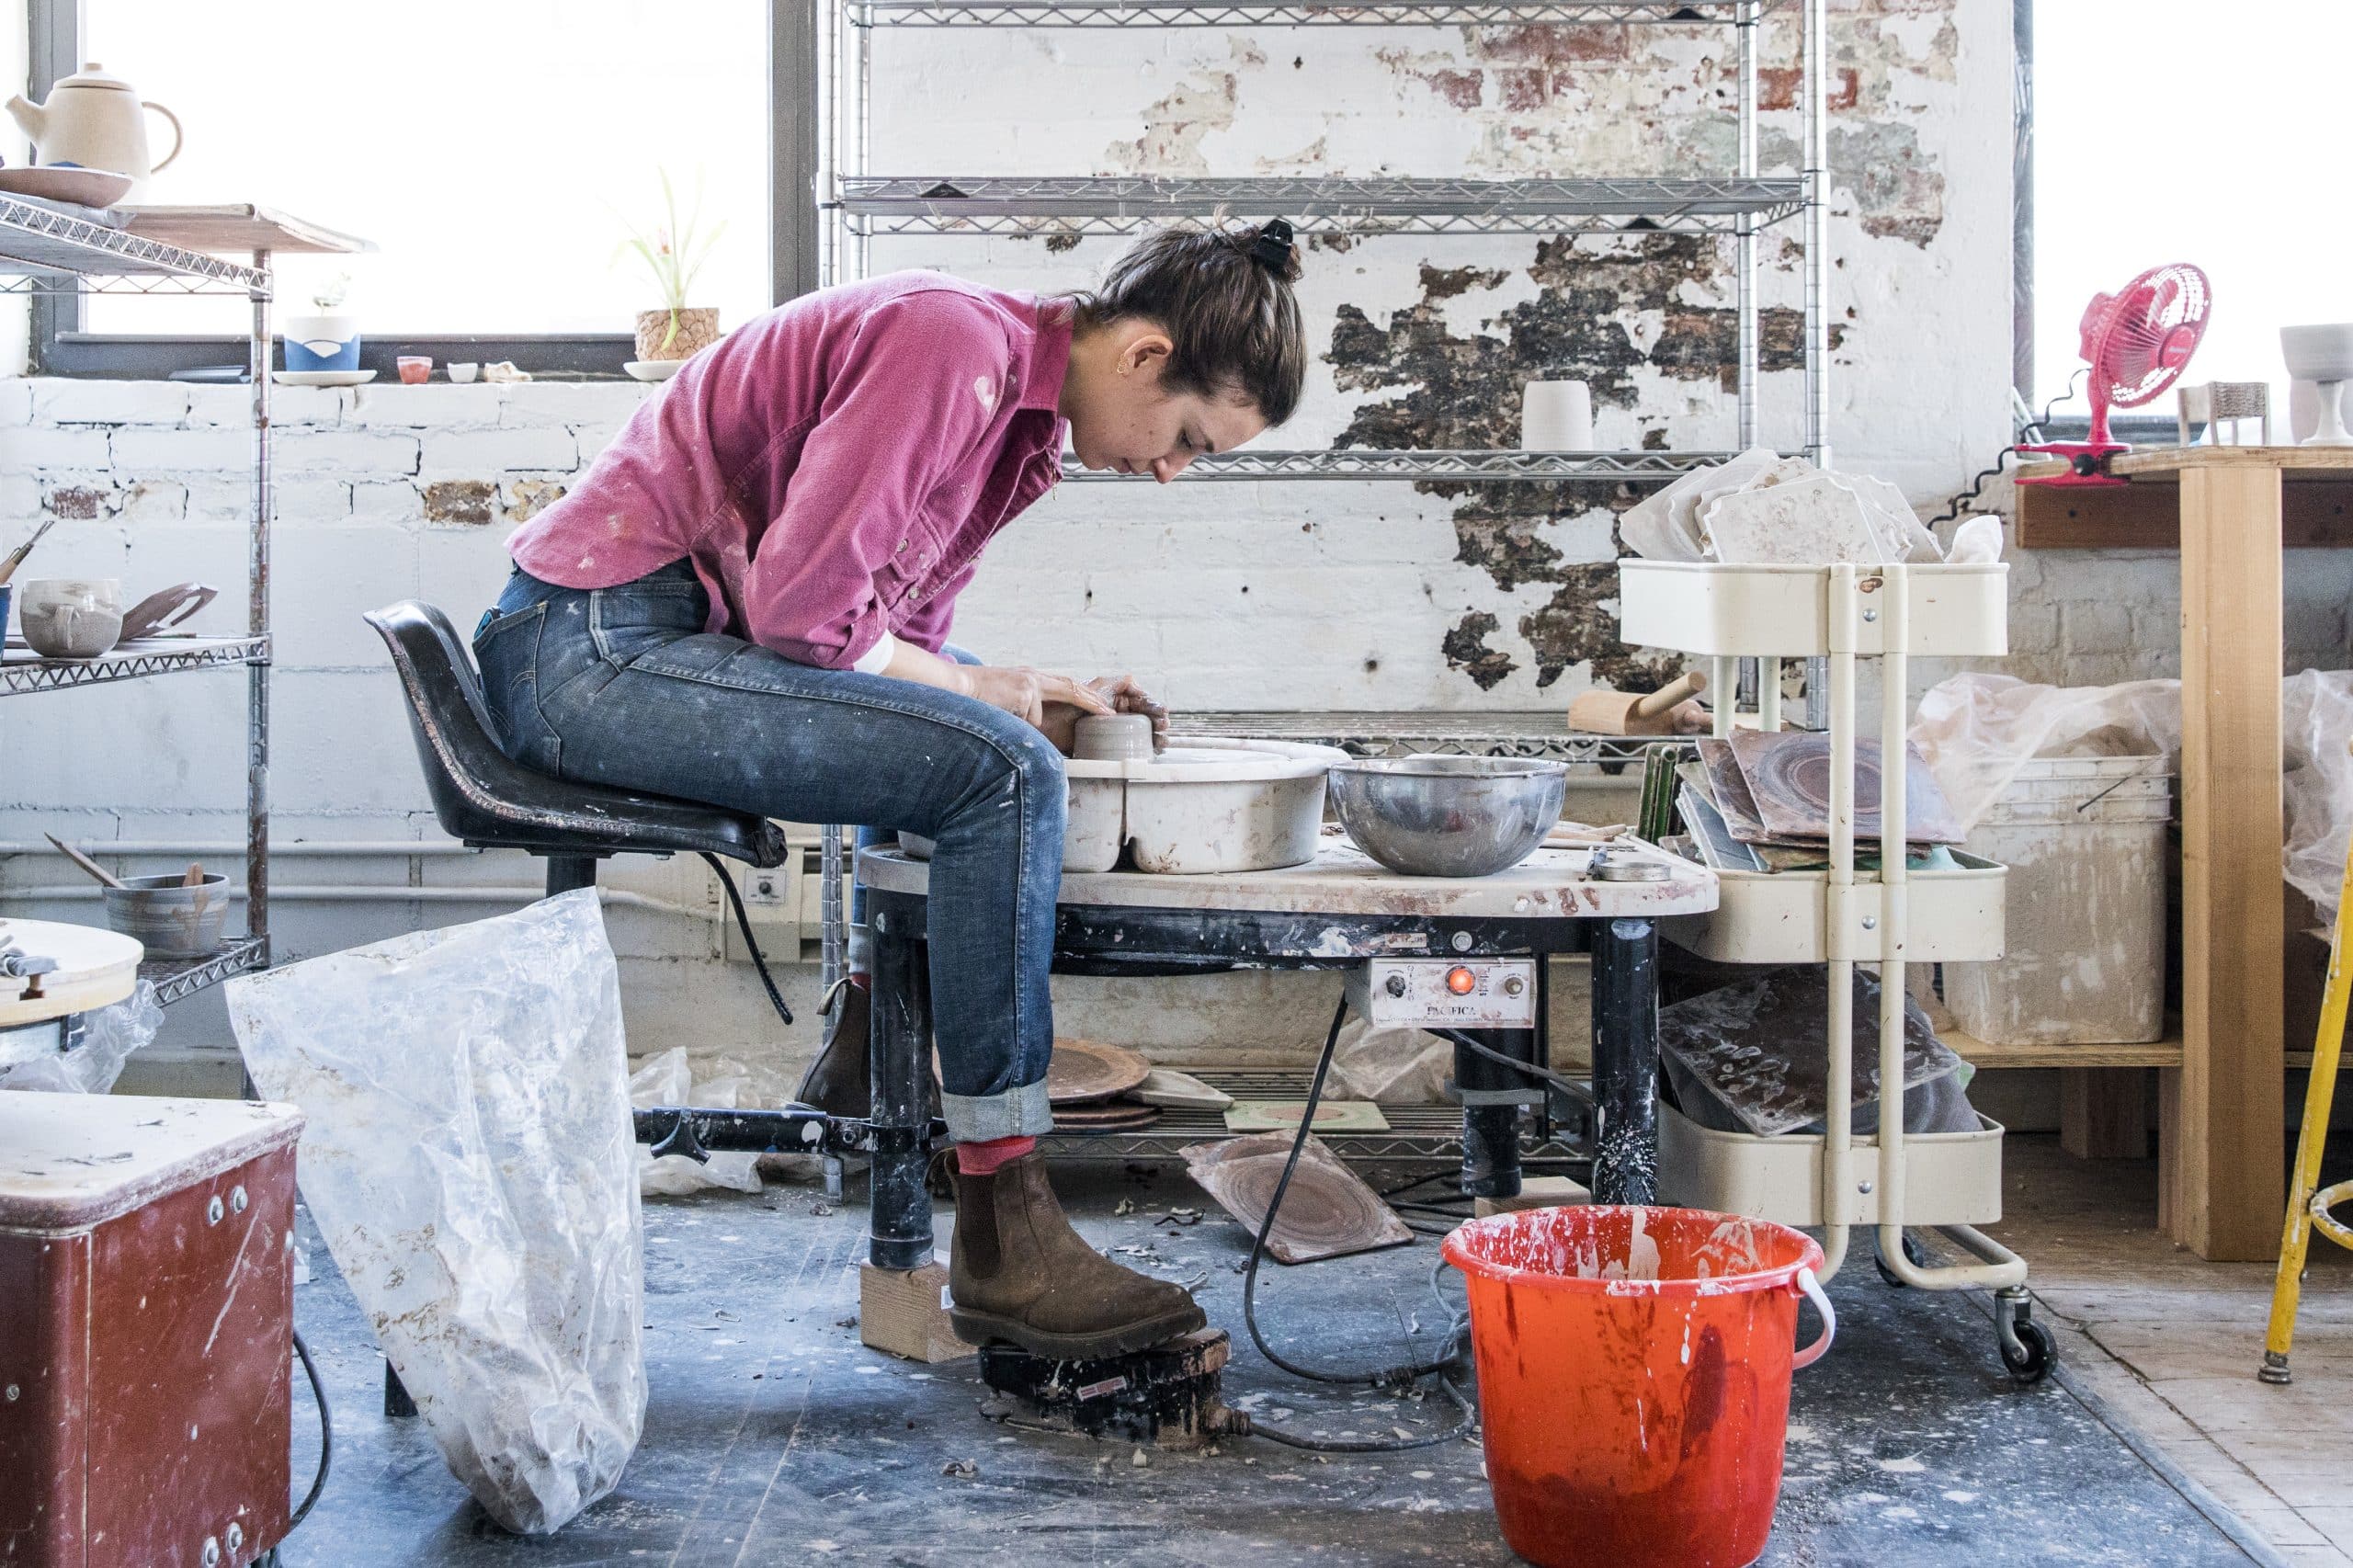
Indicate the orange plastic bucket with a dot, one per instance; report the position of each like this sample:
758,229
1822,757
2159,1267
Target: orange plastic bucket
1634,1378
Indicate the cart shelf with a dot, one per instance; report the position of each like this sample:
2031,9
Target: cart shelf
1788,917
1700,606
1950,1178
175,980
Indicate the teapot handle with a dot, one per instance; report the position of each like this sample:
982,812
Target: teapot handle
178,138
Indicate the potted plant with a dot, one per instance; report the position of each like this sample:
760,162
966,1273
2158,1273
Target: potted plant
327,340
675,252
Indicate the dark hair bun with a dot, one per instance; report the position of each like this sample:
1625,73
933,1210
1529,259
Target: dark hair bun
1272,248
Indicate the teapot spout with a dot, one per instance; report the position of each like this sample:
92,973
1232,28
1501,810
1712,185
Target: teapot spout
30,118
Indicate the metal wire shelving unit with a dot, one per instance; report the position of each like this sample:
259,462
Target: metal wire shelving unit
855,204
52,249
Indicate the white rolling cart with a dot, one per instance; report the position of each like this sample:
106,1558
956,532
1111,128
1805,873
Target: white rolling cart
1952,1182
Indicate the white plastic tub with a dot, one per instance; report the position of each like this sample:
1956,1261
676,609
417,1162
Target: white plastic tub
2085,840
1205,804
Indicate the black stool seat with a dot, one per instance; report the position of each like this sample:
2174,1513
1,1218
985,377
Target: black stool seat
485,800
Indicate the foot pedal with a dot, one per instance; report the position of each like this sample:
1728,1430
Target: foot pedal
1168,1394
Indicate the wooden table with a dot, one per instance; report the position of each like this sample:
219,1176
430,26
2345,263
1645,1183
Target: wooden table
2231,511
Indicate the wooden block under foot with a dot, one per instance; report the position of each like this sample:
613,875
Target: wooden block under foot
1535,1192
905,1312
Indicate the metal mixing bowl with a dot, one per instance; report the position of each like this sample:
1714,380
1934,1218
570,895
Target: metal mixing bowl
1448,816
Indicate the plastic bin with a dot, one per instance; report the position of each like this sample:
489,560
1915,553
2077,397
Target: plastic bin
2084,842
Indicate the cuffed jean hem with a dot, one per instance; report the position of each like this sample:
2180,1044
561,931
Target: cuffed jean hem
1024,1112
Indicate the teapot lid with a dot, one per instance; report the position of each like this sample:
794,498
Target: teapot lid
94,75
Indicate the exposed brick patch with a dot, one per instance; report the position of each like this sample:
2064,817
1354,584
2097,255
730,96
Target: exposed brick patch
78,502
1466,650
465,501
526,498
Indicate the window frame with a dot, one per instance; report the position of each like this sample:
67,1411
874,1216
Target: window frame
58,346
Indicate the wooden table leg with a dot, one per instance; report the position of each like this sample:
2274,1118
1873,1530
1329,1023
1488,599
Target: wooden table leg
2232,1184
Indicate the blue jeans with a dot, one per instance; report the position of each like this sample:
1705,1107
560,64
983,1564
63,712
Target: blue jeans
623,687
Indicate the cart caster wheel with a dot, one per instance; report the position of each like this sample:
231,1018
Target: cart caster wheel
1913,1254
2036,1355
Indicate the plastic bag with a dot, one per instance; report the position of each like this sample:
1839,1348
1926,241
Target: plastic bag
1392,1066
2315,725
109,1037
1977,731
469,1159
1753,1058
667,1080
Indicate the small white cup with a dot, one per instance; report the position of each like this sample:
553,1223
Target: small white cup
1556,416
464,373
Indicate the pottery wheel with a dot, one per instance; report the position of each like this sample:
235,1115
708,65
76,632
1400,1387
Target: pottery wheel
1087,1070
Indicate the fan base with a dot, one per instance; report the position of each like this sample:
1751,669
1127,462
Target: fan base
2086,464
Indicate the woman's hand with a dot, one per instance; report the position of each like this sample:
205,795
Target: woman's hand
1051,702
1124,694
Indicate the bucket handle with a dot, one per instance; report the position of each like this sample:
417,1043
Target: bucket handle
1811,1288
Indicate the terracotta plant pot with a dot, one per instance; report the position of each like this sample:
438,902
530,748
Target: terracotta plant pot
697,329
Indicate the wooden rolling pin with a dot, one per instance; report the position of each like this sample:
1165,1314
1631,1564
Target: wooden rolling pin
1603,712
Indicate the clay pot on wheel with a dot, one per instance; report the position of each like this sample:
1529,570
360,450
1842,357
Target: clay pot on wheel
697,329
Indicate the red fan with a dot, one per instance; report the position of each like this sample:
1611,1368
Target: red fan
2137,341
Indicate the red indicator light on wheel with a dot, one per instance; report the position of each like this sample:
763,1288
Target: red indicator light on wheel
1460,981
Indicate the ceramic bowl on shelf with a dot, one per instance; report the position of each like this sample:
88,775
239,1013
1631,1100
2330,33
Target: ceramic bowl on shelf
322,378
70,183
72,618
652,370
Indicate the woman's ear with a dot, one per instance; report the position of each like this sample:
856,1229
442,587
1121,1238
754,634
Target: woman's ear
1147,352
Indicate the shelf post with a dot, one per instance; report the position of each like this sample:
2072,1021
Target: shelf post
257,623
1838,1123
1817,235
1746,18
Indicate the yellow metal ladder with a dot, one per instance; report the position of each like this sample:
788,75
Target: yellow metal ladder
2308,1211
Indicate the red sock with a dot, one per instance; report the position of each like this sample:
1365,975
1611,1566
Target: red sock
860,979
983,1157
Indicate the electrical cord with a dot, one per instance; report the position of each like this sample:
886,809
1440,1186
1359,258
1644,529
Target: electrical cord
1963,502
1394,1378
326,1435
751,943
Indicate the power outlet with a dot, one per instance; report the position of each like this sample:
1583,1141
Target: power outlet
772,901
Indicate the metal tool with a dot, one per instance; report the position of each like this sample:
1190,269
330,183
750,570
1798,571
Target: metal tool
16,556
1604,866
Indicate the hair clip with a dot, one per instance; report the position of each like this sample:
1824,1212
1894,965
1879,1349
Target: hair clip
1272,249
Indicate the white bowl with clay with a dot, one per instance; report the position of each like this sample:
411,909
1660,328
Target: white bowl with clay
1205,804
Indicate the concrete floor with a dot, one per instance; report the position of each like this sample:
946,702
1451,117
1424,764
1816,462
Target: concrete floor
773,1437
2170,1343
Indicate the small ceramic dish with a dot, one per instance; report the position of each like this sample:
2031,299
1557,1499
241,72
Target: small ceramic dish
322,378
83,187
653,370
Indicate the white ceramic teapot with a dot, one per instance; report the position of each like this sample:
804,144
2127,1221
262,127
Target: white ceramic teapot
94,120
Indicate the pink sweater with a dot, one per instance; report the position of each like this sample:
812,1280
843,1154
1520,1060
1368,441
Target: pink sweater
832,469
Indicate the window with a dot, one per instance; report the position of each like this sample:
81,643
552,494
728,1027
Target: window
495,154
2173,131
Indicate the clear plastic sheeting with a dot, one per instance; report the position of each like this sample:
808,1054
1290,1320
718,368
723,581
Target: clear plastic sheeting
668,1080
1754,1058
470,1160
92,1063
2316,727
1391,1064
1978,731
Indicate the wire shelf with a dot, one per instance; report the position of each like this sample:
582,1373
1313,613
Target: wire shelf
1468,464
23,671
1537,734
1281,13
1416,1133
1360,208
38,238
178,979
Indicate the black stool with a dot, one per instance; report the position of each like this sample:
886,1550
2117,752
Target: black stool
486,802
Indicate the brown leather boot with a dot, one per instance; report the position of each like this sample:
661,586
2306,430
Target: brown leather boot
840,1082
1018,1273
